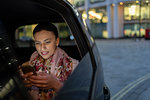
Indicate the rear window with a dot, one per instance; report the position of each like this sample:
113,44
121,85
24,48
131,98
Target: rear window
24,37
24,41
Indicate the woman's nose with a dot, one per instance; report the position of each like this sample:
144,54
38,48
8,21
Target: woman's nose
43,47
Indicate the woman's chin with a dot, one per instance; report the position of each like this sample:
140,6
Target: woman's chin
44,57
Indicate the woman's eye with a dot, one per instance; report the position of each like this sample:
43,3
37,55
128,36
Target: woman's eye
37,43
47,42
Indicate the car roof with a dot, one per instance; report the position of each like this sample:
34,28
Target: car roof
24,11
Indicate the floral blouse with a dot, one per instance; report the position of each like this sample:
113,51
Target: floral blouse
59,64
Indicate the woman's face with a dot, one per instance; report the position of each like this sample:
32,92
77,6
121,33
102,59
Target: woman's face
45,43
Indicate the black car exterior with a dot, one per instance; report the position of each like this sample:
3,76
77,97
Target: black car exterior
85,83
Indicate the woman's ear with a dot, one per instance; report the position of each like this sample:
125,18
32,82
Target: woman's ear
57,41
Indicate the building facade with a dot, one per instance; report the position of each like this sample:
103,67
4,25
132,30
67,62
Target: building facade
115,18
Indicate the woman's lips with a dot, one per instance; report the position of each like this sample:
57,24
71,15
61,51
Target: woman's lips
44,52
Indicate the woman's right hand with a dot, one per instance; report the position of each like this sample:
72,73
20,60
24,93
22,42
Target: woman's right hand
26,80
26,76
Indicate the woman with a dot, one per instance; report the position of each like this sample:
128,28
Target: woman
53,66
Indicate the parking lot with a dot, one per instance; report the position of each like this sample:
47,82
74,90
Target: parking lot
126,67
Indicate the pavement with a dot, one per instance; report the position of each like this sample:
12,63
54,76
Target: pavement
126,65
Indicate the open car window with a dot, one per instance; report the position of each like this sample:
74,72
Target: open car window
25,42
24,37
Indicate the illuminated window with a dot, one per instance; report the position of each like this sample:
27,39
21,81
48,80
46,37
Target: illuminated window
77,3
98,15
24,33
92,1
145,11
131,11
130,30
98,20
24,36
135,11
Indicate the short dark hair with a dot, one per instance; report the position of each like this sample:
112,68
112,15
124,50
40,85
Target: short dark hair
46,26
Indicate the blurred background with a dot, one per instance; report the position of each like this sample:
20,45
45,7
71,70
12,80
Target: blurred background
115,18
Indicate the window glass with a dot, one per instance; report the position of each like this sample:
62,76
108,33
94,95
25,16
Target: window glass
135,11
145,11
77,3
131,30
92,1
98,21
23,33
24,37
25,44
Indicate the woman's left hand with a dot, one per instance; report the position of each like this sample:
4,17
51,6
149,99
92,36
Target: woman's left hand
45,81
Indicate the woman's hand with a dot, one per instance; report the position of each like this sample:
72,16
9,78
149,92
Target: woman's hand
26,80
26,76
45,81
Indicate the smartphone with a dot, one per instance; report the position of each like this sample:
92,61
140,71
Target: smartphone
27,68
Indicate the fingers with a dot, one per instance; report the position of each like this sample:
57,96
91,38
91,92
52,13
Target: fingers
27,83
38,81
34,77
43,86
27,75
41,76
44,81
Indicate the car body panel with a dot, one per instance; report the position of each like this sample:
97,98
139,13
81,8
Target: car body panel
77,86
